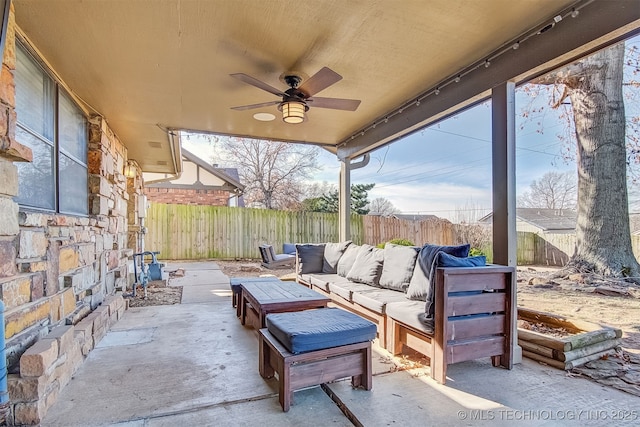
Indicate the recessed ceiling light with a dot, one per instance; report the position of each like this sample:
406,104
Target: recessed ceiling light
264,117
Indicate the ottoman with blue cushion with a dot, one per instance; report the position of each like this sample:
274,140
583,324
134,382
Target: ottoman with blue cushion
313,347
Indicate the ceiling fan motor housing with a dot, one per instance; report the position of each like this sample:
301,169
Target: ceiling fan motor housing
293,81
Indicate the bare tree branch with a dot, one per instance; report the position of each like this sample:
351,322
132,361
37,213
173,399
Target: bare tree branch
273,172
554,190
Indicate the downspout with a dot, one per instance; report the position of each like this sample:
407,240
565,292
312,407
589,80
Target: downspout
176,156
175,148
362,163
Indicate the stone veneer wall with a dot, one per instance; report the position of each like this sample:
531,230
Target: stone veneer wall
59,274
48,365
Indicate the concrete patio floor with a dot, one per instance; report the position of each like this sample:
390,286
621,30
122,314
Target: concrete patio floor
193,364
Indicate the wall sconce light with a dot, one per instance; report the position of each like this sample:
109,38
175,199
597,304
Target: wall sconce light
130,169
293,111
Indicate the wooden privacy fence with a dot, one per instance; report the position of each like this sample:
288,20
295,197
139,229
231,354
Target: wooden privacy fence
545,249
379,229
553,249
206,232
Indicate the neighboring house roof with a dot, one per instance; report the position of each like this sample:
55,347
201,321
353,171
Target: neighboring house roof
545,219
229,176
203,176
231,172
411,217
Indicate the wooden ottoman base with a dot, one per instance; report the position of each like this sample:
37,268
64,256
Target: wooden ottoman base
296,371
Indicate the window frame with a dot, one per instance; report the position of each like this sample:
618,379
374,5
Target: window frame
59,91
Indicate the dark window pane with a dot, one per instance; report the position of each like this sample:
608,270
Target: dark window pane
36,179
35,95
72,131
73,187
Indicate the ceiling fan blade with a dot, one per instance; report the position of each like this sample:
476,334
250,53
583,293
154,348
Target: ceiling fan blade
334,103
252,106
257,83
319,81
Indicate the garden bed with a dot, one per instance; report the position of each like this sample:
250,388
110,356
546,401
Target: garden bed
562,343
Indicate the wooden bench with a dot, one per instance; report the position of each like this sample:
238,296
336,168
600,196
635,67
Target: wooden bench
296,371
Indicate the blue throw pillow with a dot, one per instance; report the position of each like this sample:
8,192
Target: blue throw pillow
428,262
420,287
289,248
446,260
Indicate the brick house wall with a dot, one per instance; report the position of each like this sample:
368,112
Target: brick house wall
180,196
59,274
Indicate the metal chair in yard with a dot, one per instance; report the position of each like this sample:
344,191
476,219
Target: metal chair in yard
271,260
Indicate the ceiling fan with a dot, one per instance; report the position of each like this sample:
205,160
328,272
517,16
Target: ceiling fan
299,97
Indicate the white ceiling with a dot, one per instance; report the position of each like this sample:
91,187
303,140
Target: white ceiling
148,66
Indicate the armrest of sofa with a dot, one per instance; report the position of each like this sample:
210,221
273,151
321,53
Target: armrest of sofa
474,312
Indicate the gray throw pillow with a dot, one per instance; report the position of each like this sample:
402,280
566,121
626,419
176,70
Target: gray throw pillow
310,258
368,266
399,263
418,285
347,259
332,254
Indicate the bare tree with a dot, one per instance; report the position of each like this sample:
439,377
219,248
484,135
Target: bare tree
317,189
593,85
469,230
382,206
475,234
312,195
273,172
554,190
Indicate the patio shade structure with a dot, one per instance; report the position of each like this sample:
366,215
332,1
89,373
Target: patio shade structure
155,68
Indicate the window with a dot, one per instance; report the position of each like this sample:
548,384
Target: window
55,129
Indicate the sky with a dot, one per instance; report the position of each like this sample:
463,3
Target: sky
445,169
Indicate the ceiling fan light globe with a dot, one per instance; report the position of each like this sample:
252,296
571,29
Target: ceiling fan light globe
293,111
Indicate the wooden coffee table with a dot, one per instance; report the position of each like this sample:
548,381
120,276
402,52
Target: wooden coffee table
257,299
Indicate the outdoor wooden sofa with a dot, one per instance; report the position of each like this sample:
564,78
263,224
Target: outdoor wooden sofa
473,307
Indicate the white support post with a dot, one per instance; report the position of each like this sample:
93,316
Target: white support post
344,200
504,188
